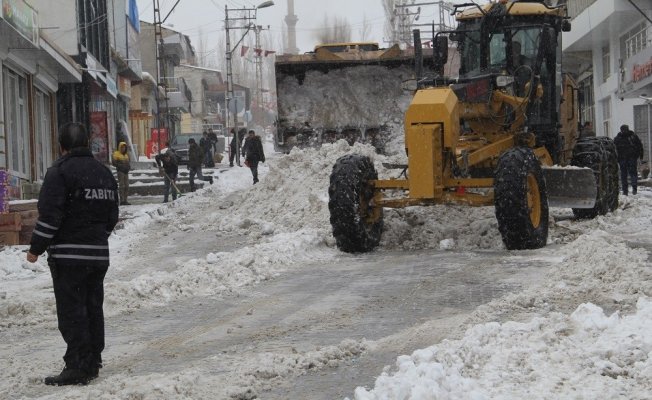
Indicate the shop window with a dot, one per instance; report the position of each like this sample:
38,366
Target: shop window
43,127
606,64
587,103
17,129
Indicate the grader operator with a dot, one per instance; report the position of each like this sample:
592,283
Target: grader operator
504,133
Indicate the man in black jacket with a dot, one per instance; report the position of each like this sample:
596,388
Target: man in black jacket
78,209
629,149
253,153
195,158
168,165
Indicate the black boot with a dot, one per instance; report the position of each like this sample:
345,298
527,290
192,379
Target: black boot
71,376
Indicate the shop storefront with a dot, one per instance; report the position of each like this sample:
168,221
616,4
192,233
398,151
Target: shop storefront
31,69
636,82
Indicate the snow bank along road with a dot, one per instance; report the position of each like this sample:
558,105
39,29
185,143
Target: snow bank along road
238,292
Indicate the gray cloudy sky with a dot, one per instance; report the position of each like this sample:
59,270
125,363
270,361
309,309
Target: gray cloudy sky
191,15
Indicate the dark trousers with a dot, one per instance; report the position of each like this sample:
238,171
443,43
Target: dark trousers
167,182
79,293
231,156
208,159
253,165
123,186
196,171
628,168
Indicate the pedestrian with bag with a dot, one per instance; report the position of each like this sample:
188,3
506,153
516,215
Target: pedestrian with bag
168,165
253,153
195,158
123,166
78,210
629,149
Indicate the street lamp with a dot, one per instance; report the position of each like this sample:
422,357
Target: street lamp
249,14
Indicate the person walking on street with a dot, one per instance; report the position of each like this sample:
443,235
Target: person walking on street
253,153
233,147
629,149
212,137
121,163
195,158
206,147
168,165
78,210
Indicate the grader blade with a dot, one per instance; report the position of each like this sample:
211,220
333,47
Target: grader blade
570,187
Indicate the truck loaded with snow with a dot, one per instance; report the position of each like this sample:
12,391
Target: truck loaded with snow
351,91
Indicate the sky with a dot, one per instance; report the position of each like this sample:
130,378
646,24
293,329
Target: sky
208,15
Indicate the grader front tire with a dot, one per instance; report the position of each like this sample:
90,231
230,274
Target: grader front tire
521,200
357,226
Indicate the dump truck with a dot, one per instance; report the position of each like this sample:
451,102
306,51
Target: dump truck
505,133
351,91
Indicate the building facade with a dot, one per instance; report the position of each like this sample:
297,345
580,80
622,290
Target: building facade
174,51
101,36
32,67
607,48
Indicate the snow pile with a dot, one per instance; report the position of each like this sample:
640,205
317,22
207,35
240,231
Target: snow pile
15,266
362,96
553,355
586,354
245,378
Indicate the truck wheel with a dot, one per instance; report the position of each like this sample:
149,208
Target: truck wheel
357,226
590,153
612,170
521,200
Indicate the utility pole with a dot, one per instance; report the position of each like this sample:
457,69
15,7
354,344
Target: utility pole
258,60
161,68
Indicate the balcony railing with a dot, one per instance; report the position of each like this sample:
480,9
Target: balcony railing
575,7
638,41
179,95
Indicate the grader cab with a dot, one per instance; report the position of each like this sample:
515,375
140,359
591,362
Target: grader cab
505,133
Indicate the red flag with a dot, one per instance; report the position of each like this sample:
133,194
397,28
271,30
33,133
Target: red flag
243,51
258,51
267,52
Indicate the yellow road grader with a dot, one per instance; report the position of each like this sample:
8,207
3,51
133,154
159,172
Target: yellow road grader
505,133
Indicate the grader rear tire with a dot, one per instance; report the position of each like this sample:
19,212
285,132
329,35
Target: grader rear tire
357,227
521,200
592,153
612,170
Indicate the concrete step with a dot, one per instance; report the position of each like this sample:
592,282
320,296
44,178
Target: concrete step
157,189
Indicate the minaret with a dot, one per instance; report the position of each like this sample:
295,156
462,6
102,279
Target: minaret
291,22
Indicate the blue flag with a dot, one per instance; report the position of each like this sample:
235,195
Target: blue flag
133,15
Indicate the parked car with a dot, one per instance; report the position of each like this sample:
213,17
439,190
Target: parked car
180,145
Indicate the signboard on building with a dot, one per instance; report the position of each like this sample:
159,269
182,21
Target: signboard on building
22,17
159,137
124,86
99,136
4,192
638,74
